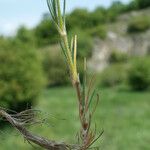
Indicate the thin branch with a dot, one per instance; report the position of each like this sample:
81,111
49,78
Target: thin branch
38,140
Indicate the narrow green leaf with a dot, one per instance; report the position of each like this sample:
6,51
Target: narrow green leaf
64,14
84,84
55,10
71,46
94,108
50,9
63,50
75,53
91,98
59,14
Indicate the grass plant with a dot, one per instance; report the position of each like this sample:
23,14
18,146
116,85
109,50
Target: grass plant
85,94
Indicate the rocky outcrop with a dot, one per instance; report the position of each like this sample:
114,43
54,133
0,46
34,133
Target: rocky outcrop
118,40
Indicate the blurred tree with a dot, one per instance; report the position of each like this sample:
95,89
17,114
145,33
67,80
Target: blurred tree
139,24
21,76
25,36
45,32
98,16
99,31
73,19
143,3
3,41
114,10
113,75
117,57
55,70
139,74
131,6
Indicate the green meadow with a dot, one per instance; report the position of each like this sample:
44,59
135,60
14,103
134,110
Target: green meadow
122,114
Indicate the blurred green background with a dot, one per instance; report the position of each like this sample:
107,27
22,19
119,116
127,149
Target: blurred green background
116,42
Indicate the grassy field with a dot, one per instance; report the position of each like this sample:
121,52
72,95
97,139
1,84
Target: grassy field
124,116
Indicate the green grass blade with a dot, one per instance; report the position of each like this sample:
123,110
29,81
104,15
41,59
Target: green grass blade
49,4
63,50
59,14
84,84
91,98
71,46
64,14
54,6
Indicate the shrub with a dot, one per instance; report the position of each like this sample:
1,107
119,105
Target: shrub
55,67
113,75
117,56
45,33
21,77
99,31
139,24
139,74
143,3
85,19
25,36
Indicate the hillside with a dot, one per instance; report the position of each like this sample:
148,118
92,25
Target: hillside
118,39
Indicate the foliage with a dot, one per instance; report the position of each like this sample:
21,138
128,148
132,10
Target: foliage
55,67
25,36
45,32
114,10
117,56
74,16
139,74
98,16
139,24
21,76
141,4
113,75
115,118
99,31
102,15
131,6
3,41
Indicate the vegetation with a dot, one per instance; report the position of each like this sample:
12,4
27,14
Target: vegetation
99,31
25,37
118,113
85,45
85,95
142,3
45,32
54,67
21,76
114,75
139,74
118,57
134,74
139,24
